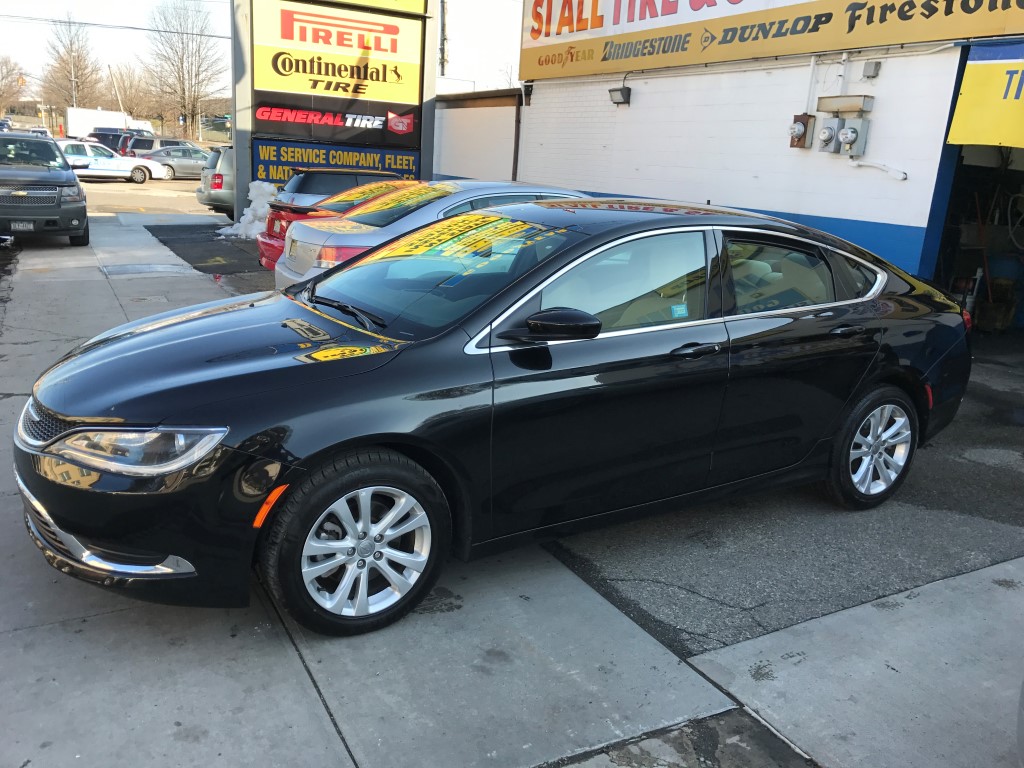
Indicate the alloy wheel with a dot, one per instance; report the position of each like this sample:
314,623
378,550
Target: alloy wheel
365,551
880,449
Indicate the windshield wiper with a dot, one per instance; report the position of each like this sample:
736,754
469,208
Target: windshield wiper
365,318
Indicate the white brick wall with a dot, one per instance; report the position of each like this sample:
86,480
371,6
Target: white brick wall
722,135
475,142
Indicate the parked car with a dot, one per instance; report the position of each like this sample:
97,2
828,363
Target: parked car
39,193
179,162
39,130
313,246
500,376
102,163
309,186
108,137
142,144
5,125
216,189
271,242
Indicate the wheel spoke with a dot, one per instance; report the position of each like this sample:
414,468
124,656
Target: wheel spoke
403,505
323,567
341,510
400,584
884,475
362,602
874,425
412,560
364,498
894,466
324,547
859,453
898,428
343,589
862,477
414,521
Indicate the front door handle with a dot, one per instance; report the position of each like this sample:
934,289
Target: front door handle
693,350
848,330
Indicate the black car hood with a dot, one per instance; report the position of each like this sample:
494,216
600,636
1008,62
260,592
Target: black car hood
34,174
148,371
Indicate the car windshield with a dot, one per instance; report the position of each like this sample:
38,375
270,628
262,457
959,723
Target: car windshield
343,201
23,151
390,208
430,279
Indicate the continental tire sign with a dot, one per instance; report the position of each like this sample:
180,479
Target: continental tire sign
315,50
563,38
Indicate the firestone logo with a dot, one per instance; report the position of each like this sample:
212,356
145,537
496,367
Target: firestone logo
339,32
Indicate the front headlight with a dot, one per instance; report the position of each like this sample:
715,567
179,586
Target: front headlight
138,452
72,194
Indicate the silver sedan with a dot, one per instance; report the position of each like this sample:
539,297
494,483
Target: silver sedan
314,246
179,162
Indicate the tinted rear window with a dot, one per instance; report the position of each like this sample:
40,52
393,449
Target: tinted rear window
390,208
320,183
211,161
138,144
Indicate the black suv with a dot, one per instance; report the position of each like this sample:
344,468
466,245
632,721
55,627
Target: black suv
108,137
39,193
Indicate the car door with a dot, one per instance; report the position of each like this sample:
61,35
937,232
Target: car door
586,427
198,160
797,352
104,162
75,151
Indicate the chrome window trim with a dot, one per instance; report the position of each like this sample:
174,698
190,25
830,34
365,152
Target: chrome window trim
470,200
472,349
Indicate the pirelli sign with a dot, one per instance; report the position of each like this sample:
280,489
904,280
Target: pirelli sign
346,73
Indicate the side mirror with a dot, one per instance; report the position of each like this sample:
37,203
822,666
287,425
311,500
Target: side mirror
77,164
556,324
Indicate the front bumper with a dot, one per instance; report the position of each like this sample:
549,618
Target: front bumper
161,539
45,220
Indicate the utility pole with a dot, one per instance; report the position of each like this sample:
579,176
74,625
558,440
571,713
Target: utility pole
117,93
74,82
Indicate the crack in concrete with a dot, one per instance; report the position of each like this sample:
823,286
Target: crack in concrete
690,590
63,621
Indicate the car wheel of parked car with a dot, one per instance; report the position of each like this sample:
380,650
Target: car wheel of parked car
140,175
875,448
82,239
168,172
357,543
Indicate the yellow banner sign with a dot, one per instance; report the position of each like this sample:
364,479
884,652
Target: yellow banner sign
990,107
563,38
325,51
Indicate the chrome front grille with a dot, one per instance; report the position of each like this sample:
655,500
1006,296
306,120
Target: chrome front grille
40,426
28,195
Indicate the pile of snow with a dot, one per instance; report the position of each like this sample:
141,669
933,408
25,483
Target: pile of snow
254,218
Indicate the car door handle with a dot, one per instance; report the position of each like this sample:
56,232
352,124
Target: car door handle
694,350
848,330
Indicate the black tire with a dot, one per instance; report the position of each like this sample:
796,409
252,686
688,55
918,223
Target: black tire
82,239
306,502
140,175
168,173
843,467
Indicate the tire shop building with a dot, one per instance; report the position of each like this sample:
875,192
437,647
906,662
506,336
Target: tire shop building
897,125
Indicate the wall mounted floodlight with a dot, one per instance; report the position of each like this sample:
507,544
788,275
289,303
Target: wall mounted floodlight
620,95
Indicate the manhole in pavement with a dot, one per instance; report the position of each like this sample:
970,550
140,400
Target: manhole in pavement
142,269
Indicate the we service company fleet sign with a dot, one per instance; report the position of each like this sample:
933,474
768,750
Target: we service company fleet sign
338,74
563,38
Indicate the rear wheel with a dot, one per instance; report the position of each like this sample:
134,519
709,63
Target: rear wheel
168,172
140,175
357,543
875,448
82,239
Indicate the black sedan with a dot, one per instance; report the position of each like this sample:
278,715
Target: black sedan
499,376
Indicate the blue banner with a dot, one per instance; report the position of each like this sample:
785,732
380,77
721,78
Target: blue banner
275,160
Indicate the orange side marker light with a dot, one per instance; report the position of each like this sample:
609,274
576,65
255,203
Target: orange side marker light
268,505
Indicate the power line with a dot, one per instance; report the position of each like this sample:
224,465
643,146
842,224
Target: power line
36,20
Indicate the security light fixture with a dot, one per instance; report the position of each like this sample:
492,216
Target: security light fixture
620,95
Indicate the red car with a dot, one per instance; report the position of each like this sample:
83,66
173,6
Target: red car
271,242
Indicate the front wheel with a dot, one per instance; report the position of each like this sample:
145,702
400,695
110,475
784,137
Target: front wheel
168,173
140,175
82,239
357,543
874,450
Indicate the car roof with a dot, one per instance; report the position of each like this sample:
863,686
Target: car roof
346,171
27,135
598,214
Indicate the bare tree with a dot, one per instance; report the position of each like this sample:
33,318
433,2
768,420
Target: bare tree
185,59
73,78
12,81
132,90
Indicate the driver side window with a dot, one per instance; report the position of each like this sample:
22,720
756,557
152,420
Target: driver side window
657,280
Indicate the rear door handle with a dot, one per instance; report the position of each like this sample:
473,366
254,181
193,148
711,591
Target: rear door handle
848,330
693,350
